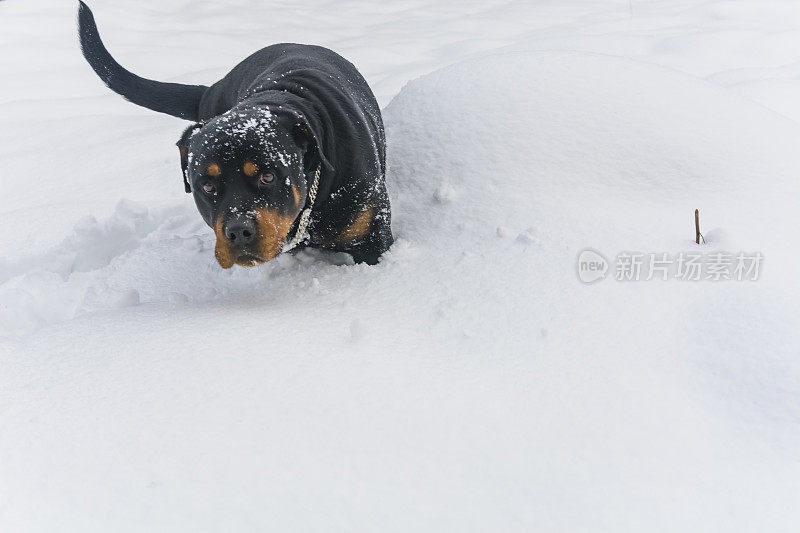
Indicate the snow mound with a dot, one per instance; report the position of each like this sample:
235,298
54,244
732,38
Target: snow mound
470,377
605,142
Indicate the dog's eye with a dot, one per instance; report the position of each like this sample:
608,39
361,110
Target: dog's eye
266,178
209,188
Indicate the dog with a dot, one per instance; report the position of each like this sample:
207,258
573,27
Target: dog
287,150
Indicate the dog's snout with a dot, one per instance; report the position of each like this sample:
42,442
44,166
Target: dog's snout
240,230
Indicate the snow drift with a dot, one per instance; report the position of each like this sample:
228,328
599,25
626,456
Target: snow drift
469,382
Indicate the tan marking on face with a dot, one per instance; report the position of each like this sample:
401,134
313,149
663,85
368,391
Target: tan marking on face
213,170
296,194
250,169
272,230
222,250
358,229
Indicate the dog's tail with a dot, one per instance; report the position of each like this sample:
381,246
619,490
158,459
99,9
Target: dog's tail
173,99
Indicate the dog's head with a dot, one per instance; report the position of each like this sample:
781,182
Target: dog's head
247,170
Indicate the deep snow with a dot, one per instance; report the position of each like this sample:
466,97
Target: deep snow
469,382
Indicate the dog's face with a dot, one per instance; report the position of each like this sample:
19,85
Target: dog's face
246,172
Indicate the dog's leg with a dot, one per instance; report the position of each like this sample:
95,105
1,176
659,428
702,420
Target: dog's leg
371,249
379,238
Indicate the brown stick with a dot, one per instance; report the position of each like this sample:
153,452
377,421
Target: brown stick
697,226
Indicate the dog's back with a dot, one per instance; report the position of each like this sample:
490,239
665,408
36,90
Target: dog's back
301,75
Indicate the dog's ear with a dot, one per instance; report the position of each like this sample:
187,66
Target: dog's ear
183,148
305,136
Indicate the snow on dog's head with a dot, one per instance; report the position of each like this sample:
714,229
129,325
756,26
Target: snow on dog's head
246,171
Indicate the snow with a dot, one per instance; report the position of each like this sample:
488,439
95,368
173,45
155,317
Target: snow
470,381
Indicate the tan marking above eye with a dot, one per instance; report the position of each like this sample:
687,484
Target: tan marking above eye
213,170
250,169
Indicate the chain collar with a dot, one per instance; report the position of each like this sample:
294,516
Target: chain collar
305,217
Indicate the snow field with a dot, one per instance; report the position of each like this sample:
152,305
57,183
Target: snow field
469,382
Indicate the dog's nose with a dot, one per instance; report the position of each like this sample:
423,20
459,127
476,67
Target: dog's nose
240,230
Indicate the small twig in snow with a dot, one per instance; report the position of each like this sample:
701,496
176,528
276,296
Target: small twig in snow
697,234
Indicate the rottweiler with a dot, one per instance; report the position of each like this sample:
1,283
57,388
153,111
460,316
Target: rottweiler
287,150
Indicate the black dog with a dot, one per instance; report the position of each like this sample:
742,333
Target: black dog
288,149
